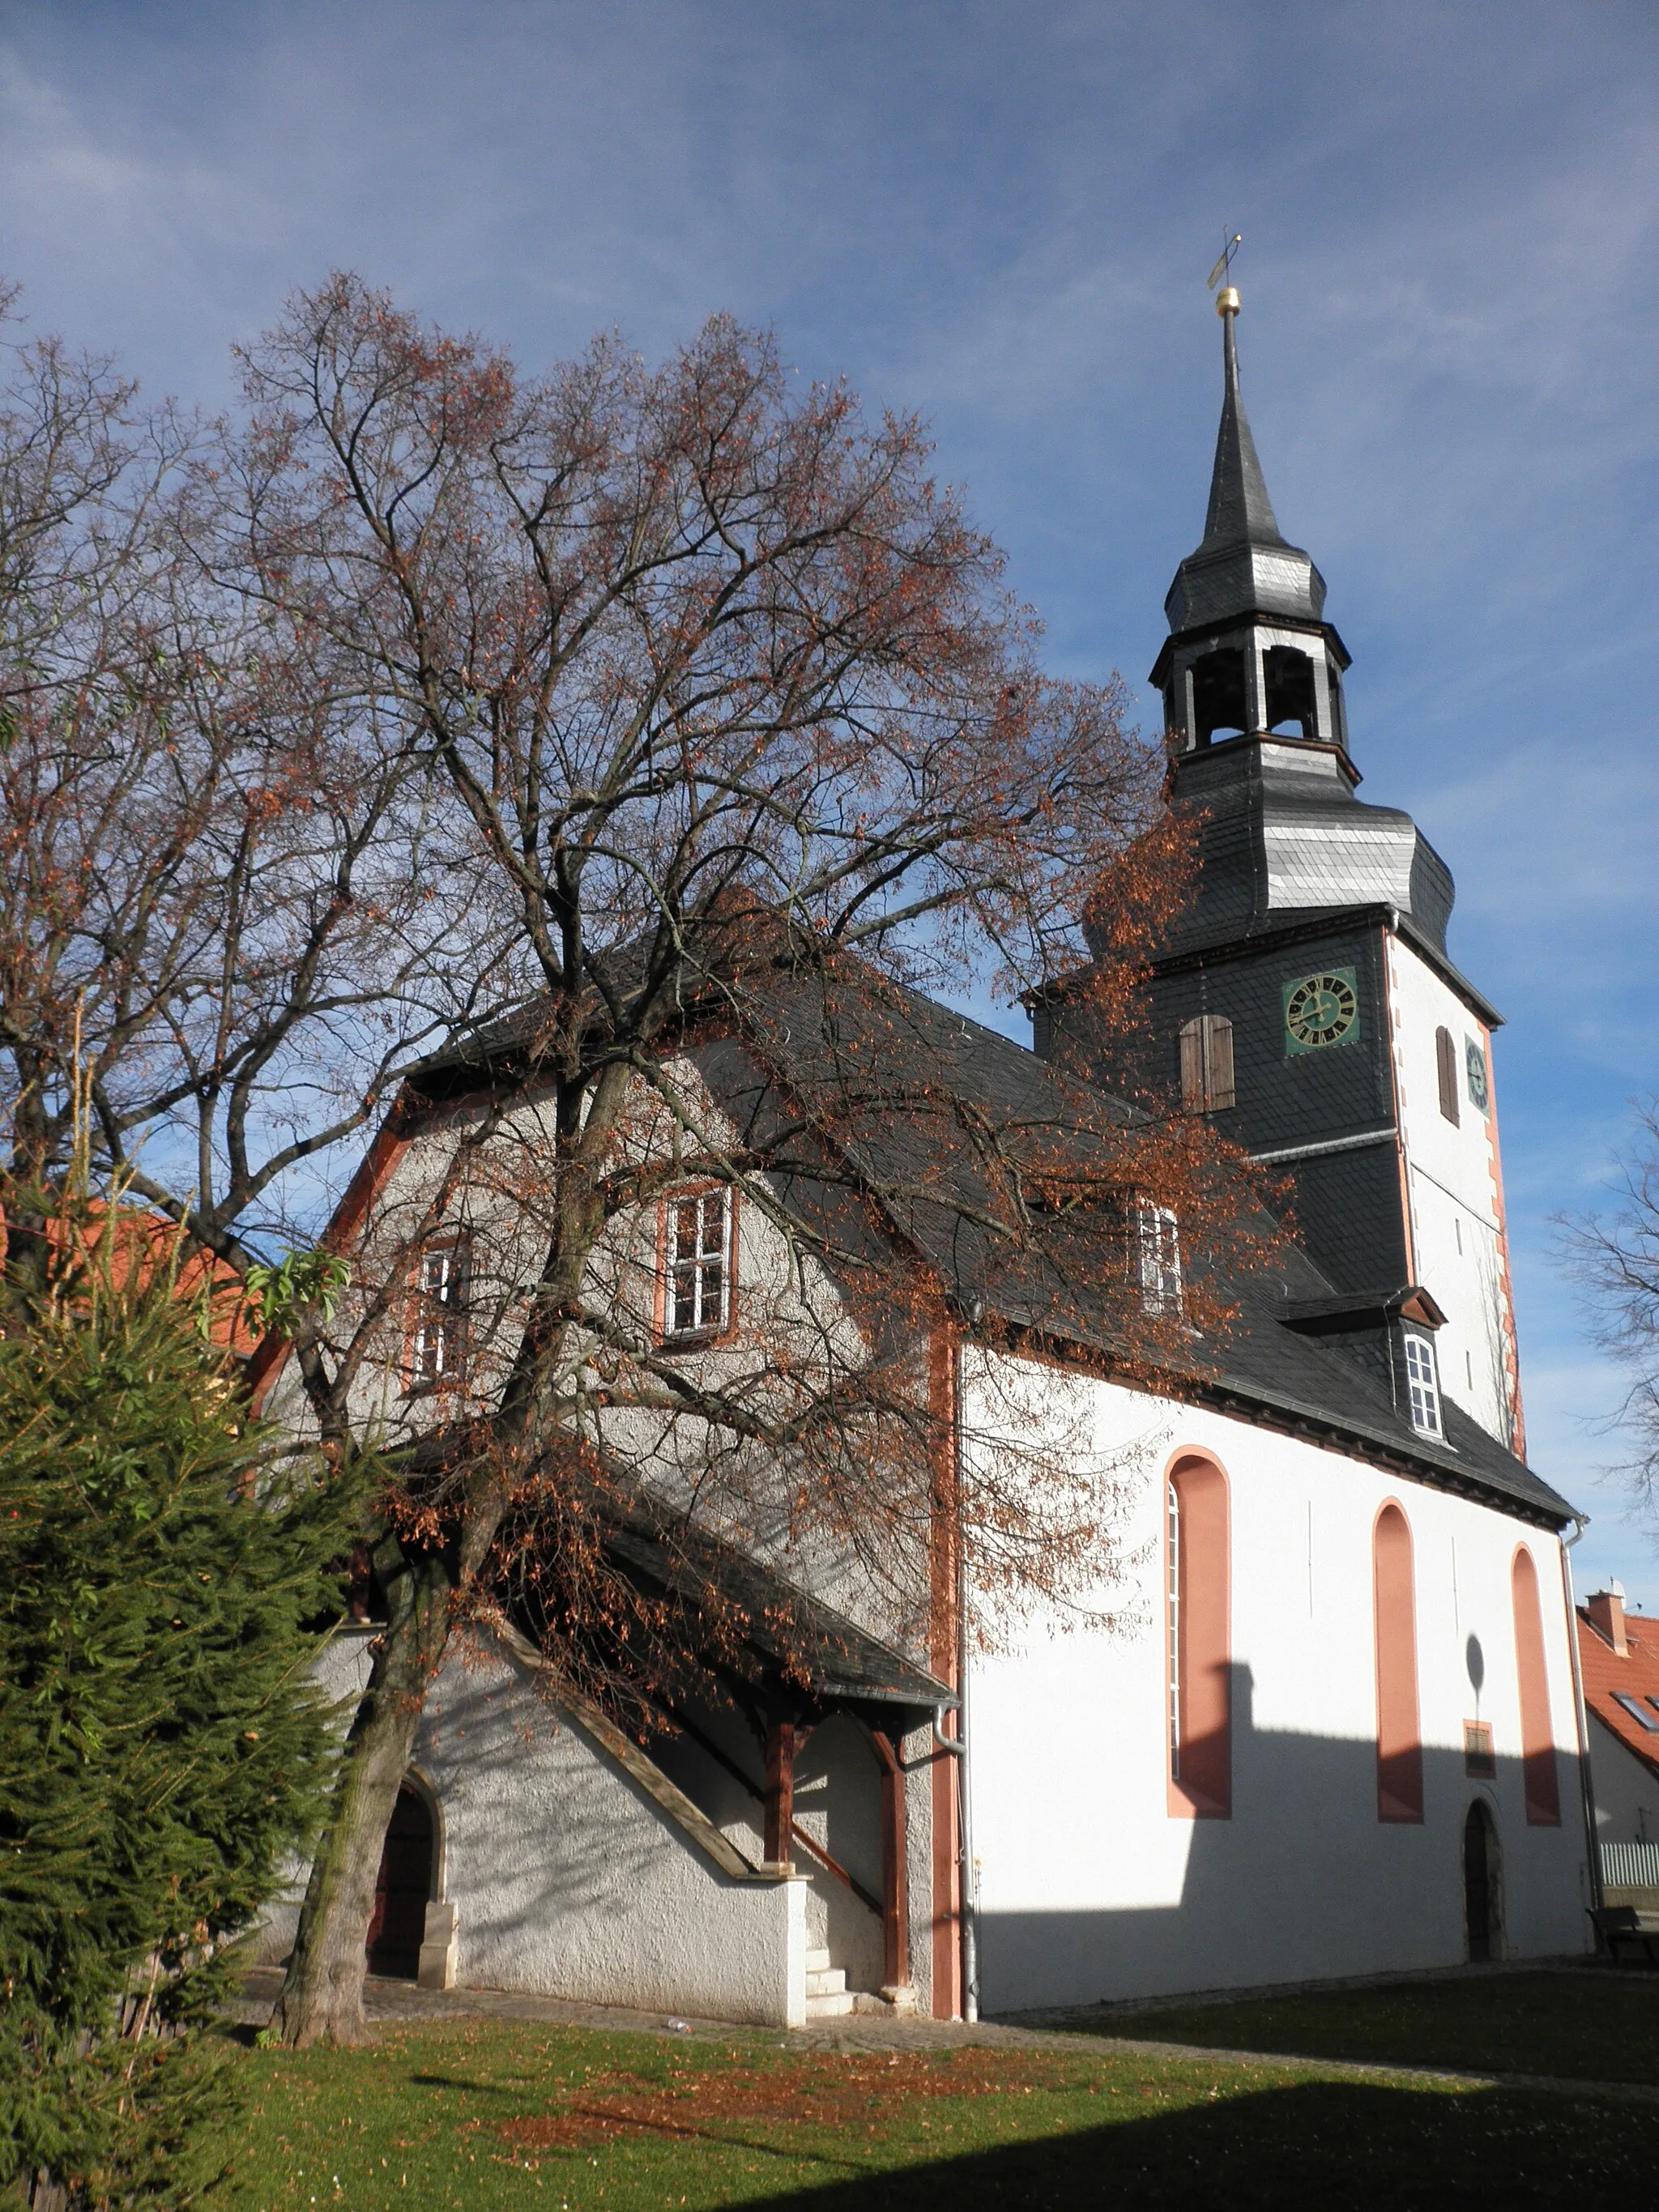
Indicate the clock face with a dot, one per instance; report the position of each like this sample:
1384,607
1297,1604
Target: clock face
1474,1062
1321,1010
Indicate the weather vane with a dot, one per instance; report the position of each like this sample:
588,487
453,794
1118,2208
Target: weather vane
1224,260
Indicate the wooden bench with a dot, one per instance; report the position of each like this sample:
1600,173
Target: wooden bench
1623,1923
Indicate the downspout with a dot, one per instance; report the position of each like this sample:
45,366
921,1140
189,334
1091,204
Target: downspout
1586,1786
970,1933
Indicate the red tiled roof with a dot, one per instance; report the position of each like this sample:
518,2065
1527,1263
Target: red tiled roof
147,1242
1637,1675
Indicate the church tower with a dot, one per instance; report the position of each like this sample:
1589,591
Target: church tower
1305,1000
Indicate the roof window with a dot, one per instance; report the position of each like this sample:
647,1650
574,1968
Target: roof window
1422,1385
1636,1711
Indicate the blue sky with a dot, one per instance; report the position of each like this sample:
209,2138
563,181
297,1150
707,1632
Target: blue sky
1002,216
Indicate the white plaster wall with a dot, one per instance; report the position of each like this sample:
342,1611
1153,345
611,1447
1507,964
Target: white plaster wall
1626,1790
1453,1196
1089,1887
569,1879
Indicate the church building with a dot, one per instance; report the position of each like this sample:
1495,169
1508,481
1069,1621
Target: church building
1335,1727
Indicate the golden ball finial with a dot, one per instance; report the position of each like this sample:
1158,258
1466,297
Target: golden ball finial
1226,301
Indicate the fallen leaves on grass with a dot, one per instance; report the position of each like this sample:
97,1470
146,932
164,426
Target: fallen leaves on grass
863,2088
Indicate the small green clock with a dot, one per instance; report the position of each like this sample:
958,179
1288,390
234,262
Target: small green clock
1321,1010
1475,1063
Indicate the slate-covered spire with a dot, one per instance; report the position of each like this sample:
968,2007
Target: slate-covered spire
1240,511
1243,567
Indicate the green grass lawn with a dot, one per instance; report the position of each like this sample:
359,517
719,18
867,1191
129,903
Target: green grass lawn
1585,2027
489,2114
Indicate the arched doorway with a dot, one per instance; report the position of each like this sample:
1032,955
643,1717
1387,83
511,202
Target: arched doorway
1481,1902
402,1888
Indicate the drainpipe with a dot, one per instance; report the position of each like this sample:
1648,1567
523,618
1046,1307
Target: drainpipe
1586,1786
964,1805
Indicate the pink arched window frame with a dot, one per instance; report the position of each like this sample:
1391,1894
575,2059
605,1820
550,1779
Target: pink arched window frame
1541,1783
1393,1618
1197,1555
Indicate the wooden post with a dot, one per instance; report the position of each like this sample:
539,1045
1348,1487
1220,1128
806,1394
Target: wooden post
779,1816
894,1896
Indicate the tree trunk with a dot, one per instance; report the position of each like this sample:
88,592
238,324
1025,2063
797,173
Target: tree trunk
322,1998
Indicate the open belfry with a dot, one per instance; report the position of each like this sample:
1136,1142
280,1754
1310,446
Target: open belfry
1321,1719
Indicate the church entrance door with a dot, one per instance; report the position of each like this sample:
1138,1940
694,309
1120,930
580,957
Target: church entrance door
1481,1883
402,1889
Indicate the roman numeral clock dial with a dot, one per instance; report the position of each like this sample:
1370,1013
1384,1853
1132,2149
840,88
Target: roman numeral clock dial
1321,1010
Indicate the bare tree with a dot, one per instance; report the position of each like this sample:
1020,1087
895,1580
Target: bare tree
217,901
680,718
1615,1259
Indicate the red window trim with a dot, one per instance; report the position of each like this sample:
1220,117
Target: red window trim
1399,1709
420,1386
696,1340
1203,1789
1540,1776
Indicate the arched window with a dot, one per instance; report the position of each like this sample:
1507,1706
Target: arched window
1538,1777
1445,1060
1399,1745
1198,1661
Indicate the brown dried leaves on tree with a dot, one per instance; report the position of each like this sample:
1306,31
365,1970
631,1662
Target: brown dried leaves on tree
680,718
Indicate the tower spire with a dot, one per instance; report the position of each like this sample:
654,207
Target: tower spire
1249,652
1240,511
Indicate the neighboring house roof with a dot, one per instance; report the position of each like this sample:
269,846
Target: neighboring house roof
141,1240
1607,1677
921,1094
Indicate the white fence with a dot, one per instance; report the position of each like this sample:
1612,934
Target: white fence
1630,1866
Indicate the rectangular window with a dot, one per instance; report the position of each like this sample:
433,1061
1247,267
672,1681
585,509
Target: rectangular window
1634,1707
1422,1387
437,1343
1480,1760
1206,1064
698,1263
1445,1055
1158,1244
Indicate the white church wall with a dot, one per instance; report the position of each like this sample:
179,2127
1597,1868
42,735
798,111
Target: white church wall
567,1878
1089,1888
1453,1188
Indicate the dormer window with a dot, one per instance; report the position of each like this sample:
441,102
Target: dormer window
697,1264
1422,1383
1157,1256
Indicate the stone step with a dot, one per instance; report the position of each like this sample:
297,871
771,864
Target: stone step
826,1981
831,2006
818,1962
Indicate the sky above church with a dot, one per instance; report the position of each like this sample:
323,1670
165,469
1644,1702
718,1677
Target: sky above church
1001,216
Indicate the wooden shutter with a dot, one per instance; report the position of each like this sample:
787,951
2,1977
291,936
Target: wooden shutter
1218,1061
1192,1064
1445,1053
1206,1063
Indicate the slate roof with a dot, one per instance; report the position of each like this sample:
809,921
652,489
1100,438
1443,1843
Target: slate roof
921,1096
1243,566
789,1632
1264,1363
